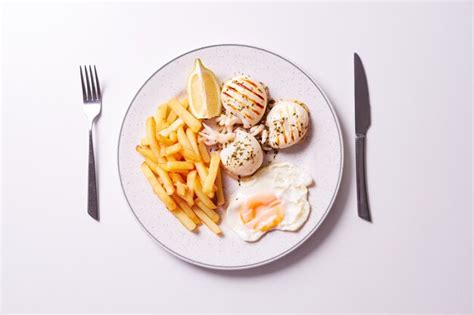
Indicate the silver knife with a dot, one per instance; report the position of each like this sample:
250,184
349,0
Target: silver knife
362,124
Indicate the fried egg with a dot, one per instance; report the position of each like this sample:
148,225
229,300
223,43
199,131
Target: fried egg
245,98
287,123
243,156
275,198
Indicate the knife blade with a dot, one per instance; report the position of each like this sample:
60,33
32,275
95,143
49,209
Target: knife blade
362,124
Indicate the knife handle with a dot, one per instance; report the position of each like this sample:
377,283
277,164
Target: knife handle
362,201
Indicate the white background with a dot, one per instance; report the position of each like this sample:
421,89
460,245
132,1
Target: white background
415,257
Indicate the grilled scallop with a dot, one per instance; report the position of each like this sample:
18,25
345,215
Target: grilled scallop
245,98
287,123
243,156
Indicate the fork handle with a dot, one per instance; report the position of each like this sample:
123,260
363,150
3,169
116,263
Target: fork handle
92,204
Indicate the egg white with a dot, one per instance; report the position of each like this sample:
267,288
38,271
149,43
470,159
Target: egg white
288,182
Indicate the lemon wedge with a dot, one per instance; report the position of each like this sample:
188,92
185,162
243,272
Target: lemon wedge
203,92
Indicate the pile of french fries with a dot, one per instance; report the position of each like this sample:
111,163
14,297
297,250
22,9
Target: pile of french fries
183,174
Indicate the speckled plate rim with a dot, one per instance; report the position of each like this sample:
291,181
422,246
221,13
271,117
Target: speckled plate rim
310,233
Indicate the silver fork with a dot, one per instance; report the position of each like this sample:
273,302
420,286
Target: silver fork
92,99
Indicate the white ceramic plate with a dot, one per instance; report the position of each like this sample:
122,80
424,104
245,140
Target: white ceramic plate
321,154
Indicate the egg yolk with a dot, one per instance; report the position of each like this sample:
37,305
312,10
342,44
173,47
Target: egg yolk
262,212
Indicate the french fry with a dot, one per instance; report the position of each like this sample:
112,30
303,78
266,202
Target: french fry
187,209
171,117
163,175
212,173
160,117
179,183
177,178
152,165
146,153
202,171
151,138
173,127
157,188
192,140
164,140
190,179
188,118
189,155
166,168
160,125
220,189
203,152
173,136
143,142
209,212
207,221
179,165
166,180
184,219
188,197
202,196
162,150
161,112
185,102
183,139
181,189
173,149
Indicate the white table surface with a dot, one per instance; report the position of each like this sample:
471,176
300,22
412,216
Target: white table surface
415,257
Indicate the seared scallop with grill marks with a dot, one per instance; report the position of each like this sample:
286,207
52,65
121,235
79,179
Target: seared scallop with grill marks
245,98
287,123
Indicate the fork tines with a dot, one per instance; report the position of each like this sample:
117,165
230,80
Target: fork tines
91,88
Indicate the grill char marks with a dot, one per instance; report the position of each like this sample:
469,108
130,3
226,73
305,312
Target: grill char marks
249,89
243,93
